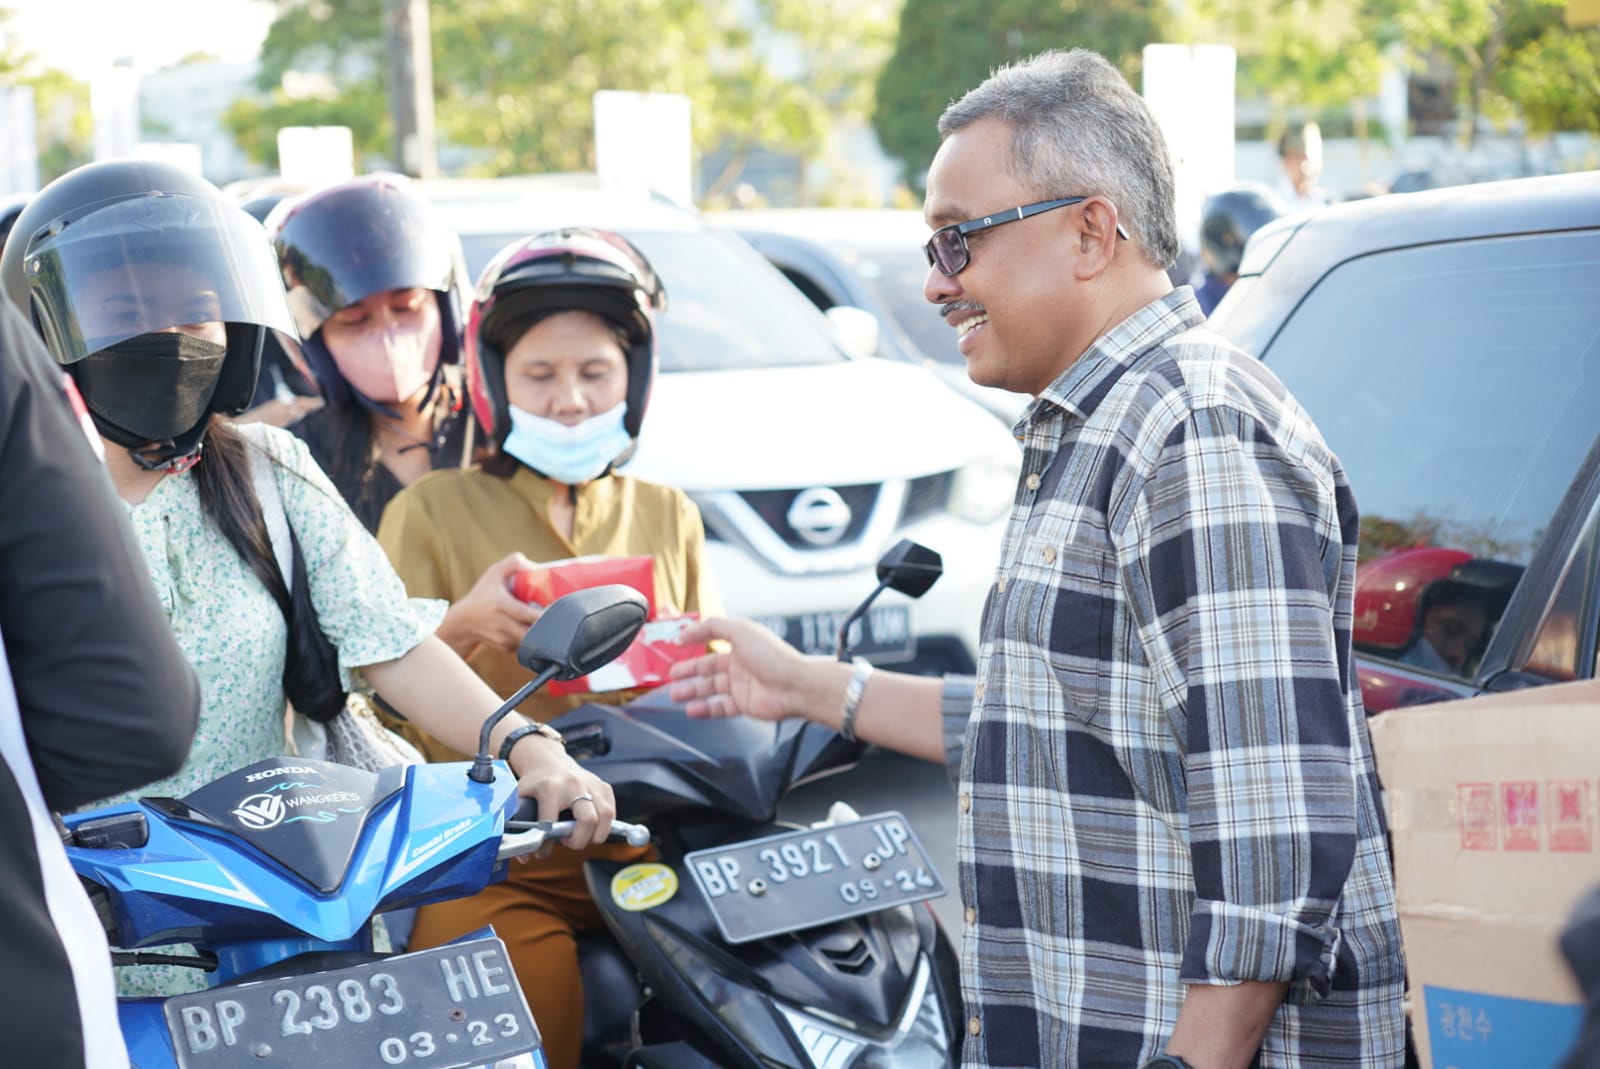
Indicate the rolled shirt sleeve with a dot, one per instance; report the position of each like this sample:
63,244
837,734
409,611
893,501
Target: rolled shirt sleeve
955,715
1232,568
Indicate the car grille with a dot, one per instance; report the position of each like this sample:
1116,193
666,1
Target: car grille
927,495
773,507
924,497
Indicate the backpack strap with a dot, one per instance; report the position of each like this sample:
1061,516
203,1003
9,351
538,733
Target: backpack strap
270,498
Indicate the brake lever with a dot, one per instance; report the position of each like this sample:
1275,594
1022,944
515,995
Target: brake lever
529,836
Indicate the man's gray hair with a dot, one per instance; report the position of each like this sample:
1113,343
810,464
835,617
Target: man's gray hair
1079,129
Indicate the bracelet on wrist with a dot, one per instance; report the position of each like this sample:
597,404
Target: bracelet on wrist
852,698
532,727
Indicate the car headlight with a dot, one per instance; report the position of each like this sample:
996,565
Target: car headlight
984,489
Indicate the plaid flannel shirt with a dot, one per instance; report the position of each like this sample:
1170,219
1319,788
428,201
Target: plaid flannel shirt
1166,776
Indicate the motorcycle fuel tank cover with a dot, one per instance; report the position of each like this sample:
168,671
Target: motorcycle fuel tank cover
305,814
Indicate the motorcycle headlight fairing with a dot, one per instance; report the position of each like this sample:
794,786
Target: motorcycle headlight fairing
740,1009
918,1041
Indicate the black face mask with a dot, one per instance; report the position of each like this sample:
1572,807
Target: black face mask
153,387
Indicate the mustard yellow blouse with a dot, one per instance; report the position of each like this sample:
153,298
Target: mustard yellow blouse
448,527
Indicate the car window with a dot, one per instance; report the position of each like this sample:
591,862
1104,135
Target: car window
896,277
1458,384
726,307
1559,651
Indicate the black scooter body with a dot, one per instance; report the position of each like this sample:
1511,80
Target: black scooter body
666,989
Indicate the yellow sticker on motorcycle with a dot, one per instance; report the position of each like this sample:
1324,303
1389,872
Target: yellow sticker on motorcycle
643,886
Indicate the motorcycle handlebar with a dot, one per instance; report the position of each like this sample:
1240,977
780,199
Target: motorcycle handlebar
529,836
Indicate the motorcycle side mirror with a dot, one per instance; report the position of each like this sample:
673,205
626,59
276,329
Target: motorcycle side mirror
908,568
575,635
583,631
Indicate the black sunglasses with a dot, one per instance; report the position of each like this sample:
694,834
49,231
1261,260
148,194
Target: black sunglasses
947,248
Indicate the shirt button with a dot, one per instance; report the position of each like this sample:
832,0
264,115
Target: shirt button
1000,585
1049,554
974,1026
966,802
972,915
977,692
1032,481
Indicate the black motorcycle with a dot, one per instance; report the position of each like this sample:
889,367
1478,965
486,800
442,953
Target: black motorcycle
751,942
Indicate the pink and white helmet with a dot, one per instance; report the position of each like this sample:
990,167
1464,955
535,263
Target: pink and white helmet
575,268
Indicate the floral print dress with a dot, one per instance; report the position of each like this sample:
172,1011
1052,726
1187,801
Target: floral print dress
234,635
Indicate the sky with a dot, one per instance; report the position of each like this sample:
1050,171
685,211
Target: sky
82,36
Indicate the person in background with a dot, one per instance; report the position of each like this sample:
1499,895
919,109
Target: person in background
95,699
1431,607
154,292
1300,156
377,286
1228,221
1170,843
284,392
10,208
561,357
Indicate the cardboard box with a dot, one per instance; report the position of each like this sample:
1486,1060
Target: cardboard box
1493,805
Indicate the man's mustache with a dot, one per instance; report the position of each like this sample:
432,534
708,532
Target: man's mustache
951,308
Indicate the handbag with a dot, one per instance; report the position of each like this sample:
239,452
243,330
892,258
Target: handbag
354,737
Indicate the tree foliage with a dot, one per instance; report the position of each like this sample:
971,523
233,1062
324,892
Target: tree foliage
1301,55
1511,61
1514,61
514,79
61,105
945,47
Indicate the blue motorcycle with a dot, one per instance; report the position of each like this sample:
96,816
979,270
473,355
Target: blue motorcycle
274,874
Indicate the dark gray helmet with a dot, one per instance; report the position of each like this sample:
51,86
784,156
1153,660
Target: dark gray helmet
342,244
127,220
1229,220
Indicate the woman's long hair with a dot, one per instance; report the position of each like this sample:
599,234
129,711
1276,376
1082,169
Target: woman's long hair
352,451
227,495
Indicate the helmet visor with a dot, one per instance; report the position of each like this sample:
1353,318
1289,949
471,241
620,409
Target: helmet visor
342,246
151,264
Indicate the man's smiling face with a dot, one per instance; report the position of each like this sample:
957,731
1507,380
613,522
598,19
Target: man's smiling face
1009,305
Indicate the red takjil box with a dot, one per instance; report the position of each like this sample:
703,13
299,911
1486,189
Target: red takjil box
647,660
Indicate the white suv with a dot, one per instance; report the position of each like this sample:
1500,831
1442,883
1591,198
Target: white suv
805,462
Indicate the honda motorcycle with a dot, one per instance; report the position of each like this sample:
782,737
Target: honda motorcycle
274,873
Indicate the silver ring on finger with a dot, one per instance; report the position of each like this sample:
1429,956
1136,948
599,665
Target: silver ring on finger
584,797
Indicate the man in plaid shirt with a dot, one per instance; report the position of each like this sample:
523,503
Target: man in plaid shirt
1171,846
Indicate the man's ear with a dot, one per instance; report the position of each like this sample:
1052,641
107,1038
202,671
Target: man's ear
1095,238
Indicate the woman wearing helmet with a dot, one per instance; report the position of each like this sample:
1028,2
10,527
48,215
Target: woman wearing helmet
560,355
155,294
1430,607
1229,220
376,283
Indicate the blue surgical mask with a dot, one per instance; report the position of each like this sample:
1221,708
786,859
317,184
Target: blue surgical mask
566,454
